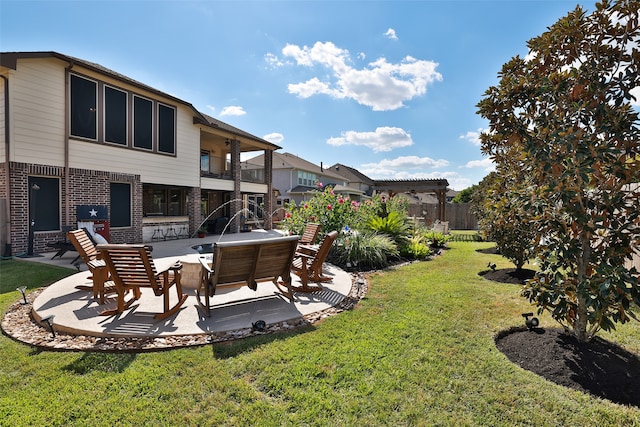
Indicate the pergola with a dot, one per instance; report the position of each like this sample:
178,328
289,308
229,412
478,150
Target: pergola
435,186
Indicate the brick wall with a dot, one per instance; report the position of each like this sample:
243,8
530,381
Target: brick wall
86,187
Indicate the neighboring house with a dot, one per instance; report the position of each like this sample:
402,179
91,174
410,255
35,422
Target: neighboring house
355,179
76,134
296,180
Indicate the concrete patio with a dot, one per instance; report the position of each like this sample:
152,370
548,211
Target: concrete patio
77,312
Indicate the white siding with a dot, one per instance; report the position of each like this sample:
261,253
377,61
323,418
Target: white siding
37,102
37,91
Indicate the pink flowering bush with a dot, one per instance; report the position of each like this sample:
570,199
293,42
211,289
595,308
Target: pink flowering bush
337,212
359,245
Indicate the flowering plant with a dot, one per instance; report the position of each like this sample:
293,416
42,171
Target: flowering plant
335,211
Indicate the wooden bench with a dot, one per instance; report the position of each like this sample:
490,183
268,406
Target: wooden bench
245,263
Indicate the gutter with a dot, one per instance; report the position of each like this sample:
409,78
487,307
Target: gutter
7,169
67,103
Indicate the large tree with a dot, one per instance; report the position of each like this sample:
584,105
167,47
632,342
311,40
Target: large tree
563,118
503,218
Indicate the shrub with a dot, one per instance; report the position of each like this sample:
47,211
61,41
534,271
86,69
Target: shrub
416,248
436,239
364,251
394,225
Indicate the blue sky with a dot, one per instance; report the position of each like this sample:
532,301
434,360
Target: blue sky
387,87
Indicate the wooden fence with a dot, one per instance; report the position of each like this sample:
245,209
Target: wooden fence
458,215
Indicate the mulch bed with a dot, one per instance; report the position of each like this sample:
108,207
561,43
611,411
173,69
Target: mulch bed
508,275
598,367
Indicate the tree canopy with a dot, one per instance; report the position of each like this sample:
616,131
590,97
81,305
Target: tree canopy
562,124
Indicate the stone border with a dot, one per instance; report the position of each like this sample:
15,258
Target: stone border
18,324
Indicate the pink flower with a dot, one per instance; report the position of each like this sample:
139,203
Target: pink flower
341,200
329,207
306,206
319,184
287,215
331,191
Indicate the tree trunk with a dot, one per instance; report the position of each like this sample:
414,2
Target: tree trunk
580,324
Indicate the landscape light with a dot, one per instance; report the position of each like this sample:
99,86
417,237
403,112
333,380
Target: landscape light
23,290
530,323
49,321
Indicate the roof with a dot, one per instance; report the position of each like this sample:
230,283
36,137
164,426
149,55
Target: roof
351,174
10,60
417,185
290,161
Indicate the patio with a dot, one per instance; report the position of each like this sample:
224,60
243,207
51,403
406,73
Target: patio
76,313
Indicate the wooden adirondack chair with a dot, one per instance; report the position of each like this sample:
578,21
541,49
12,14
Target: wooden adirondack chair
132,268
308,265
99,273
310,234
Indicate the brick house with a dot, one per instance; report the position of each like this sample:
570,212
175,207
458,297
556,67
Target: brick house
77,135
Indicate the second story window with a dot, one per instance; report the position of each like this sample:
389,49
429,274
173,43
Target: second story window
115,115
204,161
84,103
307,179
166,129
106,114
142,123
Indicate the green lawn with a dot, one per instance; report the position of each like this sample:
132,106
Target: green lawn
418,350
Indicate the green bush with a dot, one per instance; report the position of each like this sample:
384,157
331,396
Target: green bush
363,251
394,225
436,239
416,248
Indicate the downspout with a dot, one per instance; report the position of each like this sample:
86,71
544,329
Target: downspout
7,169
67,208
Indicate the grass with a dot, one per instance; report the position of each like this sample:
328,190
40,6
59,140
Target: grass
418,350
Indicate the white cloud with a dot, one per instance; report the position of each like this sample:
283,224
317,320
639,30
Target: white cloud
636,92
273,60
362,56
391,34
383,139
473,136
486,164
211,108
381,85
274,137
233,110
399,165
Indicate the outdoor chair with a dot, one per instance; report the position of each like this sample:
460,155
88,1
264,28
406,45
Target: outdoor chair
307,243
247,262
310,234
308,265
81,241
132,268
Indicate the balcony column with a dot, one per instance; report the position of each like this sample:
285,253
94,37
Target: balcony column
268,198
236,198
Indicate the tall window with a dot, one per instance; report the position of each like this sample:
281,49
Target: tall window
84,102
166,129
124,115
204,161
142,123
44,203
115,116
120,204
